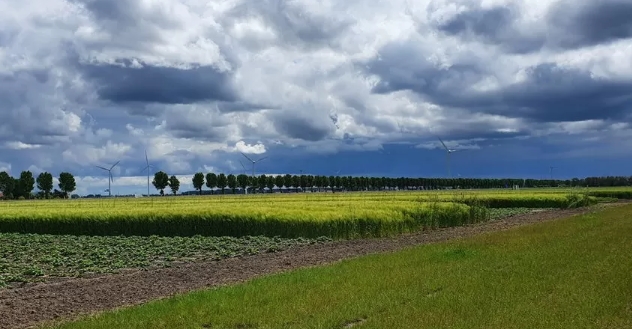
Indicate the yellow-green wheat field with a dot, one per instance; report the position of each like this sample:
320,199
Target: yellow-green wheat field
336,215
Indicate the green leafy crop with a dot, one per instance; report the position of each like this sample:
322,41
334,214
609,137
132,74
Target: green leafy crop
34,257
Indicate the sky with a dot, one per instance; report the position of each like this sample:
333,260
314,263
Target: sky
321,87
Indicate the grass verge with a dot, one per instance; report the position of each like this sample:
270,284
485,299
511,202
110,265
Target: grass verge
571,273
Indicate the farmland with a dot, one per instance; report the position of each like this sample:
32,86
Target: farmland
69,238
45,240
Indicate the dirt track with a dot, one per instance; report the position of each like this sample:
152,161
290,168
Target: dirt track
27,306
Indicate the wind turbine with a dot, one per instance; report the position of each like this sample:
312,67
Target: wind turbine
242,165
253,163
147,168
245,170
448,152
551,171
110,180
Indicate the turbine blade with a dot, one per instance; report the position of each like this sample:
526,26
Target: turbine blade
114,165
242,165
265,157
111,178
442,143
106,169
246,157
146,158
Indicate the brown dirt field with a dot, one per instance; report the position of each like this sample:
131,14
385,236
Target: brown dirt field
27,306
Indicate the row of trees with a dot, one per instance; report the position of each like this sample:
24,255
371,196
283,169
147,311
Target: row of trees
349,183
23,186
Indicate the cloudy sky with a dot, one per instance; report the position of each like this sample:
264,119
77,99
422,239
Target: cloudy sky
358,87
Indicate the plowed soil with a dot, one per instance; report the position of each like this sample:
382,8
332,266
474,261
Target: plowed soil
27,306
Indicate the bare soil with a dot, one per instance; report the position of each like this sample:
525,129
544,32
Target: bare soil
27,306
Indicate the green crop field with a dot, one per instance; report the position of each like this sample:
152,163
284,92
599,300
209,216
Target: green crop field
37,257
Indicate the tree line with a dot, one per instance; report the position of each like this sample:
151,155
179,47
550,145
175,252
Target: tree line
353,183
22,187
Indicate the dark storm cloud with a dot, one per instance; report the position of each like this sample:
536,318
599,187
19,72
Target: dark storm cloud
241,106
549,92
493,26
28,129
153,84
26,113
293,24
120,11
190,125
490,25
592,22
141,26
482,22
455,129
553,93
199,133
145,111
400,67
572,25
355,102
128,18
299,127
484,130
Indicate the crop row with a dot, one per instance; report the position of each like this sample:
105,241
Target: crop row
356,220
625,194
492,199
310,215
